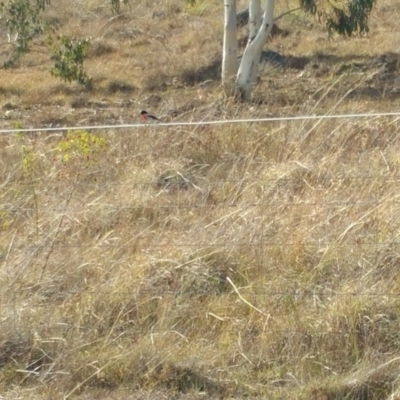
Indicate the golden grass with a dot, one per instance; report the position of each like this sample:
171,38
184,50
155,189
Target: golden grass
117,246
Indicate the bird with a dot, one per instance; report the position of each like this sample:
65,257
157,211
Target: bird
146,117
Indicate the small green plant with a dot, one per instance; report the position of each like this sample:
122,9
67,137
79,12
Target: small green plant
80,144
116,5
69,55
28,159
18,125
22,20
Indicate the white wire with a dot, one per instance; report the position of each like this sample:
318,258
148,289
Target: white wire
197,123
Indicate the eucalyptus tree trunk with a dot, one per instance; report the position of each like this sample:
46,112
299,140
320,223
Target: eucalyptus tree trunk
230,49
259,31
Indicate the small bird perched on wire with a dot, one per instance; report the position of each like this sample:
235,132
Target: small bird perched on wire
146,117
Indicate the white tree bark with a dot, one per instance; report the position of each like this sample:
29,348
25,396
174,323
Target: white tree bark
254,19
248,69
230,47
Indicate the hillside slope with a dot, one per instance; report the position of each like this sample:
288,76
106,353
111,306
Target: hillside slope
241,260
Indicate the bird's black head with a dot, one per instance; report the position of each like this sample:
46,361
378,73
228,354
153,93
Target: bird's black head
143,112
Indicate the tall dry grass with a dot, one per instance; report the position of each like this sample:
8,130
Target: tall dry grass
227,261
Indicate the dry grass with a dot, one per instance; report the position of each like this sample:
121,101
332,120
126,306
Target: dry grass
116,247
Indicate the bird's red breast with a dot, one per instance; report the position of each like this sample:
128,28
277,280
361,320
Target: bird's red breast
145,116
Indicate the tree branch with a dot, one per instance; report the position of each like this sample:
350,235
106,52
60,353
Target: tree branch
287,12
